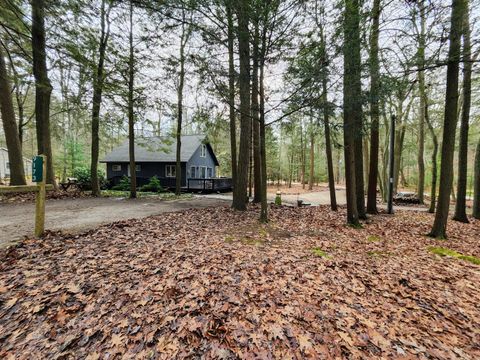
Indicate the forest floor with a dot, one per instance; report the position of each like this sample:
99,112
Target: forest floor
213,283
78,214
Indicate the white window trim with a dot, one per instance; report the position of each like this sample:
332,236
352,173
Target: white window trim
166,171
116,167
203,151
138,168
193,174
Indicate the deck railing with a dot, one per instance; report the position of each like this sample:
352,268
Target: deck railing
213,184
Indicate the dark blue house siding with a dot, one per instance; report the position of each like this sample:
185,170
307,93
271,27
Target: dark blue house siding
147,170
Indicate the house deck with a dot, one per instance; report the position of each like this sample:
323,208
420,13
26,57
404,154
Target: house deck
209,185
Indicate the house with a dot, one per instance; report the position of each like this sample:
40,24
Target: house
5,165
156,156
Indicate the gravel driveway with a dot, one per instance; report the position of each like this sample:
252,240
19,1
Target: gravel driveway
76,215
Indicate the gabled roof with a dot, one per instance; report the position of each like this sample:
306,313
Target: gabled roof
159,149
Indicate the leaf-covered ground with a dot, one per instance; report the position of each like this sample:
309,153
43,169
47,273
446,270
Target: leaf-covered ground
214,284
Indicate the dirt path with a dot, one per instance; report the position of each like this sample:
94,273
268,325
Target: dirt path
74,215
316,198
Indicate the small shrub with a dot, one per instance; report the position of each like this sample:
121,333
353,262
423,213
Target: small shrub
319,252
153,186
374,238
278,200
123,185
84,179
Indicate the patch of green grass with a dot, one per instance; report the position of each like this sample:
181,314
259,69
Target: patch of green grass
319,252
374,238
229,239
438,250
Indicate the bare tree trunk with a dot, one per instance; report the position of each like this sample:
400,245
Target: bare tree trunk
450,121
352,109
433,190
366,157
181,83
250,166
256,116
231,93
357,113
476,184
43,87
312,159
421,86
240,191
263,152
302,156
290,167
383,174
131,115
15,159
460,206
374,110
328,147
98,83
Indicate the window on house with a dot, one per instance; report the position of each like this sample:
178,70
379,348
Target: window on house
203,151
138,168
209,173
203,172
170,170
193,174
116,167
8,165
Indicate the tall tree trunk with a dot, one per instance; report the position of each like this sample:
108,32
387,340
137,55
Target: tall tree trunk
450,121
460,206
131,115
374,110
263,152
181,82
312,157
302,156
366,158
433,190
43,88
328,146
15,159
326,124
231,92
476,184
357,113
421,86
352,109
383,175
240,191
21,112
256,116
98,83
250,165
